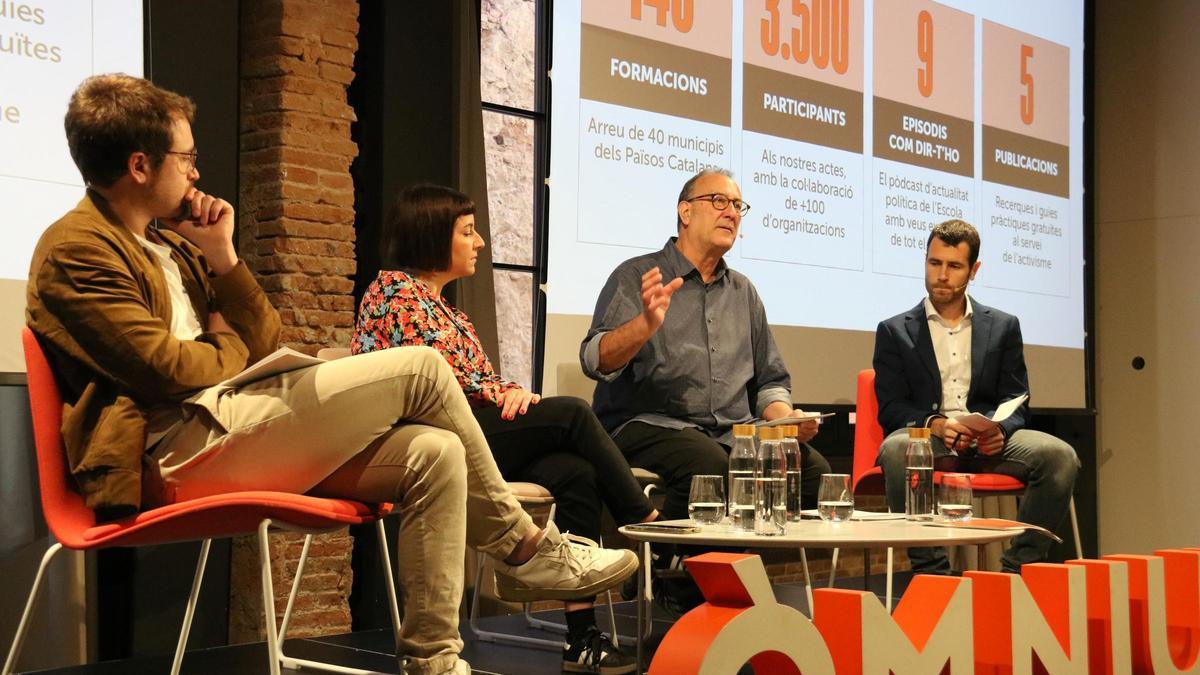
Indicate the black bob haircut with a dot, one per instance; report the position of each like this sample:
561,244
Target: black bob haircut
420,224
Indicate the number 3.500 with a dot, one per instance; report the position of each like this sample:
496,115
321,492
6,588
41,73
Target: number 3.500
820,34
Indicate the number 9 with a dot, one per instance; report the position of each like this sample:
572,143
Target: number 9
925,53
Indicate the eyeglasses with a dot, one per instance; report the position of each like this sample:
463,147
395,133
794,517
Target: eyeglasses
191,158
720,202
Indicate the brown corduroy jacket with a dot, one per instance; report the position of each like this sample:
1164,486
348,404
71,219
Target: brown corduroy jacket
101,309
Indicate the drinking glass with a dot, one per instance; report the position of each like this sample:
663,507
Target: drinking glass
954,496
835,500
706,500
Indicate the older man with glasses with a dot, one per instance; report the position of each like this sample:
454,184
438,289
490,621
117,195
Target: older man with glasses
681,350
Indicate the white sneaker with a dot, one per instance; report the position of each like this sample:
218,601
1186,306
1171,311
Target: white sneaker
564,567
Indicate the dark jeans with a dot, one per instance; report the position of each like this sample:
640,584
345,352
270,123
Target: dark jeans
679,454
560,445
1047,466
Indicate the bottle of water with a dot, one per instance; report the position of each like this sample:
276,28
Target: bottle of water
770,484
741,478
791,456
918,476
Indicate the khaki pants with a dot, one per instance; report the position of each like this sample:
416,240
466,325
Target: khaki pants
391,425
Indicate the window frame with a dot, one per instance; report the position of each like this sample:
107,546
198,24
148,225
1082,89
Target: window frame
540,116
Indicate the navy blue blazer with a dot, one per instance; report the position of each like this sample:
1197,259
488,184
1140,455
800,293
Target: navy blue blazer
909,386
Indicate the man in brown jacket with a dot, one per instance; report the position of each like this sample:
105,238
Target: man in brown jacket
144,309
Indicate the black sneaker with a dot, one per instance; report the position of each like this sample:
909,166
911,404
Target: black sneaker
674,597
595,653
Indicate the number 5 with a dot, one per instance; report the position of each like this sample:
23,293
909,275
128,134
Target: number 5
1027,80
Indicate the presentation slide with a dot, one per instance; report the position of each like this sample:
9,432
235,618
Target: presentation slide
852,127
46,49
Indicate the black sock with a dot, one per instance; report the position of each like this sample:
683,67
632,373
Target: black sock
579,621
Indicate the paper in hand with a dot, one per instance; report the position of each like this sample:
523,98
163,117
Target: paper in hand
805,417
980,423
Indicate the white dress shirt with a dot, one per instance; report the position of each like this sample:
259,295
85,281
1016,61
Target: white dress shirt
952,347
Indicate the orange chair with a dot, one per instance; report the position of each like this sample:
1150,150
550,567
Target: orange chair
867,478
234,514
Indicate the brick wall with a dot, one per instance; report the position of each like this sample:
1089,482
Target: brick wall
296,233
296,228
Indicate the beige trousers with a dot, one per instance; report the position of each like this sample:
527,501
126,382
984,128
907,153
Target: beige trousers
391,425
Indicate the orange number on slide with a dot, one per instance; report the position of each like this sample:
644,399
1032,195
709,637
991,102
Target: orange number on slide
683,12
840,32
801,33
1027,80
925,53
821,33
768,33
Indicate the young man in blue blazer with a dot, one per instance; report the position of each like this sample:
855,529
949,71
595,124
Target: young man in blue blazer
950,356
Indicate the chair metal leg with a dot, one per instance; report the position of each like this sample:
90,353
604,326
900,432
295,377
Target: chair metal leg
645,599
287,612
268,593
191,607
807,582
19,639
1075,529
386,560
888,592
866,569
275,637
642,603
612,619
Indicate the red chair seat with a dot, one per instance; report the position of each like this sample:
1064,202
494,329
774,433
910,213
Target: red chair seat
225,515
989,482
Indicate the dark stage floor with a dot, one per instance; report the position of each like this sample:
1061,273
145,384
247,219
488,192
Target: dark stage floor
373,649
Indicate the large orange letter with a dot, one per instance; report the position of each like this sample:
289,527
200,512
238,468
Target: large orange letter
740,622
1164,610
1108,616
930,629
1014,622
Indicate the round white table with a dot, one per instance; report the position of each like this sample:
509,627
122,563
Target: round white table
891,533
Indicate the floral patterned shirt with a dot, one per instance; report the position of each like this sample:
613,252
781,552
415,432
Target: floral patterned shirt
399,309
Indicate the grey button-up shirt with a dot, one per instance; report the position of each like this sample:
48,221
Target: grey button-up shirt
711,365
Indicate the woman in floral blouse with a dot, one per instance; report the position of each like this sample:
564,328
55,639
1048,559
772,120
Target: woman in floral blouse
429,240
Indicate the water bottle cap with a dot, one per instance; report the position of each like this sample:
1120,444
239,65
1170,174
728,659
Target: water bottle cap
743,430
790,430
770,434
918,433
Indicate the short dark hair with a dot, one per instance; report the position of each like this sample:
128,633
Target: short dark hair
686,193
954,232
416,235
113,116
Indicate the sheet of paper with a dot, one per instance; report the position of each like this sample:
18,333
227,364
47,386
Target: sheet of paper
281,360
993,524
978,422
803,417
